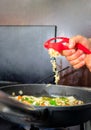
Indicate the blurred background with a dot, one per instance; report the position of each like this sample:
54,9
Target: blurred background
69,18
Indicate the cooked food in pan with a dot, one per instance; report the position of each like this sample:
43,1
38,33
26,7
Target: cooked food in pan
49,101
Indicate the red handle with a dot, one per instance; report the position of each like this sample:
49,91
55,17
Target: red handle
60,46
83,48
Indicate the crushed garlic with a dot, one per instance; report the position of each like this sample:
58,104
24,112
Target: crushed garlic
53,54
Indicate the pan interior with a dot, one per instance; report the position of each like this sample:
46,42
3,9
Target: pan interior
48,90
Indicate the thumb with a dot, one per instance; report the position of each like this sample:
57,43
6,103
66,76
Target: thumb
71,44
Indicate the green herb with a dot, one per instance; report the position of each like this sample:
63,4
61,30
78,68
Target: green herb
53,102
28,99
37,104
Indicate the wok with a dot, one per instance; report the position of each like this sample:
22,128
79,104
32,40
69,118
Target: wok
20,113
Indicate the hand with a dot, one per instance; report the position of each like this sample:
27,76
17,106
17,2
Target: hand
78,58
88,62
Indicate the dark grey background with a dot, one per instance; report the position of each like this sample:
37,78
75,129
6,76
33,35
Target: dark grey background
71,17
23,57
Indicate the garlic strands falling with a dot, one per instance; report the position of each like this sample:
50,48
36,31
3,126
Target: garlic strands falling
53,54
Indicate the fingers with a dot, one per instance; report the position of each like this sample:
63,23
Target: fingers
88,62
75,58
75,55
79,65
79,62
68,52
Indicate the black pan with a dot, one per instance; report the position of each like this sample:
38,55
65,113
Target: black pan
45,116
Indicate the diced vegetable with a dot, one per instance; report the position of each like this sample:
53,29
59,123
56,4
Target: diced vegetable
49,101
53,102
